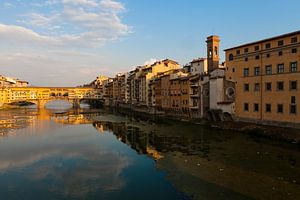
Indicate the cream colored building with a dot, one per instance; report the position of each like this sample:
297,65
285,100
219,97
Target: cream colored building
267,77
150,71
198,66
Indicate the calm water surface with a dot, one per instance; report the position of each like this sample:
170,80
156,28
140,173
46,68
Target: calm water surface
90,154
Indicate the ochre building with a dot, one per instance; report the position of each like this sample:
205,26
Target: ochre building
267,79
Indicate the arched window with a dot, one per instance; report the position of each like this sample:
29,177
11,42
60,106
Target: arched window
216,51
210,53
230,57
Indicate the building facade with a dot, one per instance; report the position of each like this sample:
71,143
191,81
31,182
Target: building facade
267,77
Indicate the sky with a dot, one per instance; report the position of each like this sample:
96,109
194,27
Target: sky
71,42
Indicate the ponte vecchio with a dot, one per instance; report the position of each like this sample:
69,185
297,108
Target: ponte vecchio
42,95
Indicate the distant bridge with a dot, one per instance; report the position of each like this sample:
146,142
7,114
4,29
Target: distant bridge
42,95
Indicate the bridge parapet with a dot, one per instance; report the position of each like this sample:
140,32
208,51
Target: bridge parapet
42,95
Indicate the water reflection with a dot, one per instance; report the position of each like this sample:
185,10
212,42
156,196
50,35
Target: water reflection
44,147
213,164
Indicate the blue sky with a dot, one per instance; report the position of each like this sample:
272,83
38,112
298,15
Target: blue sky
70,42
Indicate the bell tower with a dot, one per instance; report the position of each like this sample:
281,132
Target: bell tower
213,52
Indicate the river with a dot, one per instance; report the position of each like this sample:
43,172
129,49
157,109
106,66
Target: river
60,153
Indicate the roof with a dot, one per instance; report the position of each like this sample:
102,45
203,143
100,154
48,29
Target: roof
198,60
265,40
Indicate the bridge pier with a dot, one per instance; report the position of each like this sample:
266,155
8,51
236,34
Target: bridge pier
41,103
76,103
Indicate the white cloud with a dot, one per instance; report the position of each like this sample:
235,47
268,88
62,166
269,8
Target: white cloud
62,44
19,35
89,24
81,2
150,61
112,5
8,5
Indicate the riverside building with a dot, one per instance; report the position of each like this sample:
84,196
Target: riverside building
267,79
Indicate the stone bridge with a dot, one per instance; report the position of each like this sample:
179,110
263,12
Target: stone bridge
42,95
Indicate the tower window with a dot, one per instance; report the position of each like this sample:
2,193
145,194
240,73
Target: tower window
230,57
216,51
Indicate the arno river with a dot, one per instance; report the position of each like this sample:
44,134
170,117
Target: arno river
91,154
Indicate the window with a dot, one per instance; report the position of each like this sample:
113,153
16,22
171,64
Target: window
293,99
268,107
268,69
246,59
230,57
294,50
256,57
238,52
279,108
246,50
257,71
216,51
280,86
293,107
280,53
256,48
280,42
293,85
233,69
293,66
246,107
268,45
256,87
256,107
268,55
246,71
293,39
246,87
268,86
280,68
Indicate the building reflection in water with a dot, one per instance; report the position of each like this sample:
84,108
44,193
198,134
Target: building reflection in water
202,163
199,161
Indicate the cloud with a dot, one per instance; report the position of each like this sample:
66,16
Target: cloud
79,23
62,39
150,61
81,2
8,5
19,35
112,5
95,163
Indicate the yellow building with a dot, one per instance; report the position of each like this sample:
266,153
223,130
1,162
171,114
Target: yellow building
149,72
267,79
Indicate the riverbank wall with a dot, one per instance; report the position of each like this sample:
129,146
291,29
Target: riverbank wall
261,130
